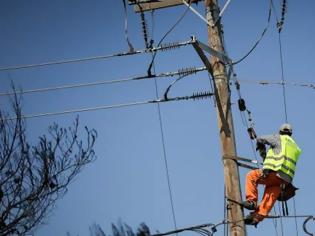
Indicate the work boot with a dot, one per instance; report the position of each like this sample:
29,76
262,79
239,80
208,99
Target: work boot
249,205
253,219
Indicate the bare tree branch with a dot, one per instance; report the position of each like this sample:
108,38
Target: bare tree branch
33,177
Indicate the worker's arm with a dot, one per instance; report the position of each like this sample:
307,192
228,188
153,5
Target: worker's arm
272,140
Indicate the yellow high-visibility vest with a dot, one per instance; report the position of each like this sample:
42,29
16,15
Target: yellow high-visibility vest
286,160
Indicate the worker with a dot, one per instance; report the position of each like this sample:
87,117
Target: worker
278,169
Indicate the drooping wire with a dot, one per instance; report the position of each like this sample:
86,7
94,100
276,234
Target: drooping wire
165,35
259,40
131,48
181,76
162,136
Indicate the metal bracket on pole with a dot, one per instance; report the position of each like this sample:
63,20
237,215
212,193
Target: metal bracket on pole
201,54
197,13
236,158
221,56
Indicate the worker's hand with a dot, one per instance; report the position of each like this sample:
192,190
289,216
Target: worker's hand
262,153
259,146
265,173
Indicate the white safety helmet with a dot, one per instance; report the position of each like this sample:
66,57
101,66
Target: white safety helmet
286,128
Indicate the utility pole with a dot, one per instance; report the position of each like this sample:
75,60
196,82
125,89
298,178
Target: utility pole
224,113
225,120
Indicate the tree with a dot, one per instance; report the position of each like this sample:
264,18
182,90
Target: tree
32,178
120,230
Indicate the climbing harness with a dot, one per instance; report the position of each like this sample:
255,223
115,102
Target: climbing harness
287,192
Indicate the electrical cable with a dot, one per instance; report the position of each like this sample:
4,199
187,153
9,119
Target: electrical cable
275,222
259,40
165,35
283,79
186,229
295,219
245,119
163,142
274,82
281,222
131,48
174,82
166,162
143,77
195,96
101,57
280,27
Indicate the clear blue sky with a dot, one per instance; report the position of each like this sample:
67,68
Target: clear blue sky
128,179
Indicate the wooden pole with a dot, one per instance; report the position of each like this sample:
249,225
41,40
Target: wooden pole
225,122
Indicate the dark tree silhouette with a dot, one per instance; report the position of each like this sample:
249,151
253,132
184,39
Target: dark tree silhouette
120,229
33,177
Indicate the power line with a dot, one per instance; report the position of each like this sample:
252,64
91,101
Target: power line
283,79
131,48
191,70
192,228
275,82
259,40
195,96
165,35
163,139
101,57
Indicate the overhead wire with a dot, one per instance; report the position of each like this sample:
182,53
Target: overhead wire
213,227
165,35
186,229
260,38
275,222
280,24
101,57
281,221
295,219
181,71
195,96
280,27
168,178
275,82
283,79
131,48
246,117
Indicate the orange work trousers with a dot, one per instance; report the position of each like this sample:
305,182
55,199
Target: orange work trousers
272,190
